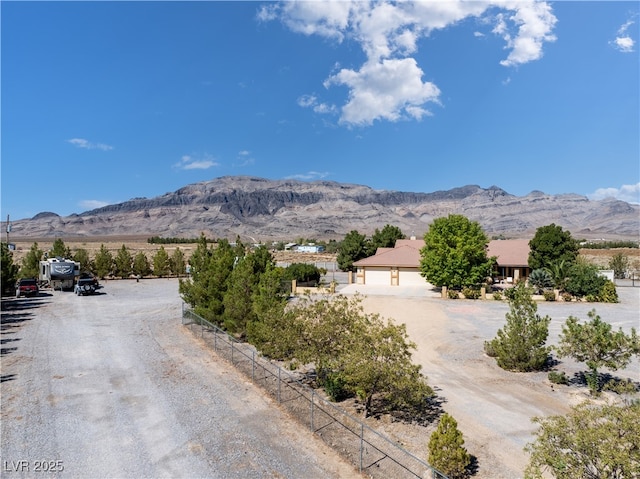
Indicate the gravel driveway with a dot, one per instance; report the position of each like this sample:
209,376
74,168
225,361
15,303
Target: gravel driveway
112,385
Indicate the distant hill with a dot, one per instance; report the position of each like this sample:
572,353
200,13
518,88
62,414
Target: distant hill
261,210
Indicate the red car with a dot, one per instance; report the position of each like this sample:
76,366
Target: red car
27,287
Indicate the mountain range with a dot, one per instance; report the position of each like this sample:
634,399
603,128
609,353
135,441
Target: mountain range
261,209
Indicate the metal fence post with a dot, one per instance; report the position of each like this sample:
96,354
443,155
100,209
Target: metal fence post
231,352
361,445
312,401
253,366
279,384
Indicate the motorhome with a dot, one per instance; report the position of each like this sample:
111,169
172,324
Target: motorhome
59,273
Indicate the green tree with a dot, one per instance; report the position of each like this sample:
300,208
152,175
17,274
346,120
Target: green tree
378,365
455,254
269,330
592,441
82,256
354,247
9,269
161,265
141,265
103,262
242,287
178,263
585,280
31,262
520,345
210,269
302,273
597,345
446,449
356,352
550,245
59,249
619,263
123,262
386,238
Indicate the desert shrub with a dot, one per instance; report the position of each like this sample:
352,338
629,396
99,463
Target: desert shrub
558,377
549,295
489,349
336,387
471,293
302,273
510,293
497,296
566,296
620,386
452,294
584,280
608,293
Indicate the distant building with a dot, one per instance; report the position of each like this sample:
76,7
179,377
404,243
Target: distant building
310,248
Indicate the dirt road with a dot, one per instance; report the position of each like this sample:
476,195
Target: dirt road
111,385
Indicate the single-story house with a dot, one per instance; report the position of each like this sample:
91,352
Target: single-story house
513,259
400,266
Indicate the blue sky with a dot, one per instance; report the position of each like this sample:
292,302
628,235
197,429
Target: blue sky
107,101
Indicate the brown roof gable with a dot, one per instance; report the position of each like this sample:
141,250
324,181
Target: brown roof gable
407,254
510,252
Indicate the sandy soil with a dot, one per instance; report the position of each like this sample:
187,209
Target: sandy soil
493,407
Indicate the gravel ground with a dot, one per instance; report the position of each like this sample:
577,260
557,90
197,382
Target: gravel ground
493,407
112,385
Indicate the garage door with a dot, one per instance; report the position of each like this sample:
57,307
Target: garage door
377,276
411,277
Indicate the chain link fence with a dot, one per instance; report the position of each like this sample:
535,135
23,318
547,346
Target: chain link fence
369,451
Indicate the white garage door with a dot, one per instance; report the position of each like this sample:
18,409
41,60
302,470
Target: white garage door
377,276
411,277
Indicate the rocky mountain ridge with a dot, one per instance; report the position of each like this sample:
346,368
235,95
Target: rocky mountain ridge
262,209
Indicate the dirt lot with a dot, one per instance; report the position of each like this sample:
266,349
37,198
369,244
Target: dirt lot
493,407
112,385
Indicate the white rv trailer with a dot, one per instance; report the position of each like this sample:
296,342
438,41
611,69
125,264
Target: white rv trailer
59,273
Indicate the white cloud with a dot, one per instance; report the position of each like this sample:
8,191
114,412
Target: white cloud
623,42
388,85
92,204
535,22
201,162
87,145
628,193
308,176
385,90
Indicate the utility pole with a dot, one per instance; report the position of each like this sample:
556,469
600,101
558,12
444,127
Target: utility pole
8,230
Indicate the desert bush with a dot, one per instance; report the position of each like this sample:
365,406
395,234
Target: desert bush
549,295
558,377
566,297
471,293
620,386
497,296
452,294
608,293
510,293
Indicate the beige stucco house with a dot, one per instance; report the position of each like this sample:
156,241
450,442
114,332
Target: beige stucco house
400,266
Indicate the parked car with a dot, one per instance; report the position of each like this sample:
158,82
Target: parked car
87,285
27,287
